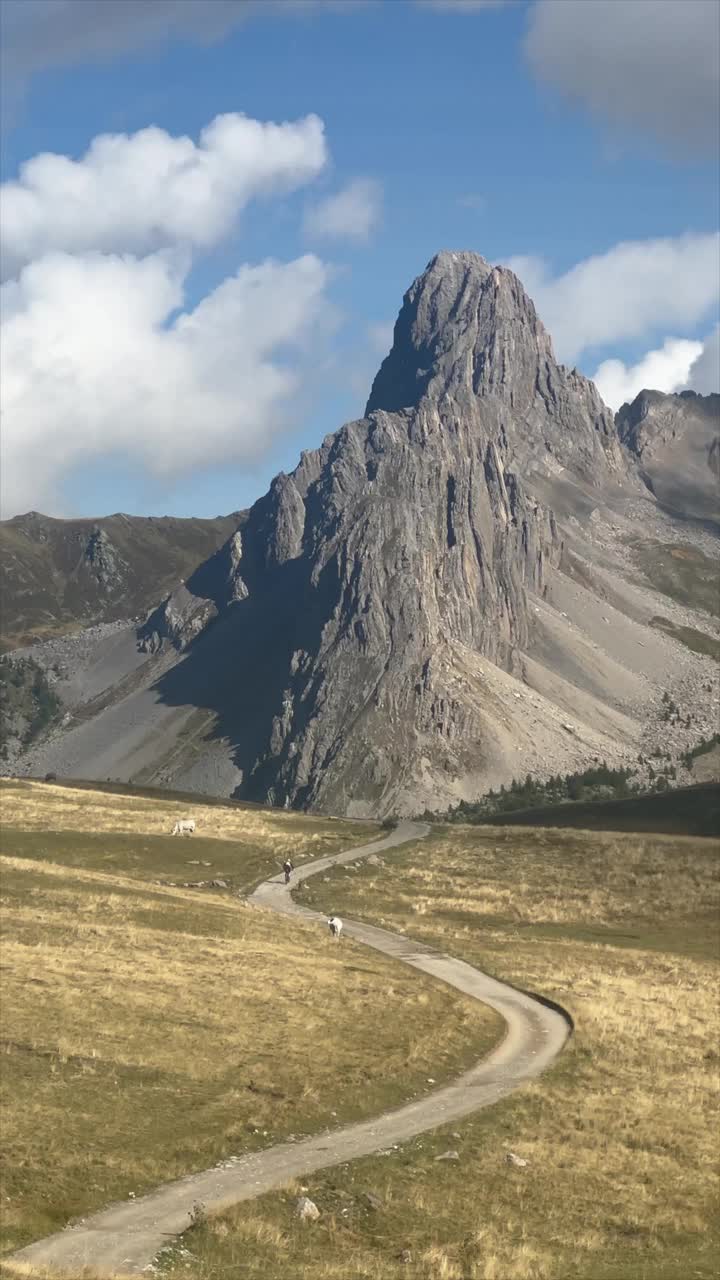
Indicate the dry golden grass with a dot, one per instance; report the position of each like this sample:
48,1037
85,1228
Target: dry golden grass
149,1030
41,806
621,1134
113,831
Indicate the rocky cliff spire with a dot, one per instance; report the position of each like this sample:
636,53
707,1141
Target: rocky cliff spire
465,329
358,636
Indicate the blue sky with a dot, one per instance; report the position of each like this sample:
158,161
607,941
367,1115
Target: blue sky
446,125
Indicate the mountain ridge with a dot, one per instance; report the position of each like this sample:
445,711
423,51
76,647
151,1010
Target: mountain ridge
60,574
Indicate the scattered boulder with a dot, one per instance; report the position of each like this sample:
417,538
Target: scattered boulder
218,884
405,1256
449,1155
374,861
307,1210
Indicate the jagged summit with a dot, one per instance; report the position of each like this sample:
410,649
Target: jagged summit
465,328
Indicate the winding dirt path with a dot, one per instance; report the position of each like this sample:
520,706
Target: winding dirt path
126,1237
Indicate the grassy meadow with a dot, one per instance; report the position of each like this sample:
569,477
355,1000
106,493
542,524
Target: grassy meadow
118,831
620,1135
148,1030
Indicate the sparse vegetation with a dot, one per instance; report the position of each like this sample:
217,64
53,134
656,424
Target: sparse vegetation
683,572
702,748
621,1182
698,641
28,704
596,783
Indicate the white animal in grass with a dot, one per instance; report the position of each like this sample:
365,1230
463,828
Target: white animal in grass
335,926
184,827
517,1161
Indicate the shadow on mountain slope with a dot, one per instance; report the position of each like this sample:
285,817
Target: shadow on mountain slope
242,668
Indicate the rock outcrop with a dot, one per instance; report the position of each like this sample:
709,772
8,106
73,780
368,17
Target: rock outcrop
676,439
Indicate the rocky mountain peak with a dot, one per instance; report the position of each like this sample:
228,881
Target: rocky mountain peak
676,439
657,415
398,618
465,328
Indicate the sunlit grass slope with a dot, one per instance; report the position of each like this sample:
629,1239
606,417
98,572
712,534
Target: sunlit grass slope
620,1136
149,1030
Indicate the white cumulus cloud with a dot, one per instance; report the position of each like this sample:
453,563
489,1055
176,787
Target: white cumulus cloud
138,192
100,356
91,368
704,373
648,65
666,369
635,289
351,214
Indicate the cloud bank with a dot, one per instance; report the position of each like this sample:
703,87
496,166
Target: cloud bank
99,355
136,193
635,289
664,370
704,375
648,65
40,34
91,367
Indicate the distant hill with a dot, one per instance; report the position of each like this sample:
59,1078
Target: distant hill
57,576
689,811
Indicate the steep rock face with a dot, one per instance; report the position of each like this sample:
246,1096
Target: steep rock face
676,439
468,339
404,549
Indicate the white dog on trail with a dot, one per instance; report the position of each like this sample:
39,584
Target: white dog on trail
335,926
184,827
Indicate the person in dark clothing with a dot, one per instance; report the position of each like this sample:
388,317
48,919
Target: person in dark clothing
288,868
